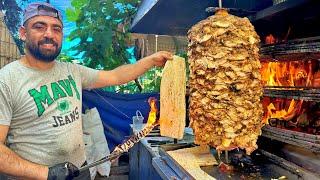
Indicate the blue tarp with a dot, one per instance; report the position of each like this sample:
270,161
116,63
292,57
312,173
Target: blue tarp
116,111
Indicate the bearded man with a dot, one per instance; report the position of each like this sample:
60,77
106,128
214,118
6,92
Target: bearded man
37,141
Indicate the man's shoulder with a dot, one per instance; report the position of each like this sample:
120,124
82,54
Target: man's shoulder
14,62
8,68
65,64
70,66
6,73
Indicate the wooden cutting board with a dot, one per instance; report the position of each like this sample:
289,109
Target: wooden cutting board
172,98
191,159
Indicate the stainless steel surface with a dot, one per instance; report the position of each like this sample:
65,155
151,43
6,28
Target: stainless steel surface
259,165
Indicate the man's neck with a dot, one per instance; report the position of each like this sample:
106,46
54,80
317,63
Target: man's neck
34,63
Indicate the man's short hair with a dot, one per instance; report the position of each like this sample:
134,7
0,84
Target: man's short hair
41,9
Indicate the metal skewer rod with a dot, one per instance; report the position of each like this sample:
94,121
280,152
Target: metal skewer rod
220,3
124,147
226,156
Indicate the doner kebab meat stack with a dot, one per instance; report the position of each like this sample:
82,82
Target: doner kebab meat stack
225,88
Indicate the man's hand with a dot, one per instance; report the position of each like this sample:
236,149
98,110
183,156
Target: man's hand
63,171
160,58
129,72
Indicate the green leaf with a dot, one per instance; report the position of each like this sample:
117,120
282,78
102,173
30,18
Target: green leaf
78,3
72,14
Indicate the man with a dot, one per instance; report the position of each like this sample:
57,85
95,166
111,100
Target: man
40,101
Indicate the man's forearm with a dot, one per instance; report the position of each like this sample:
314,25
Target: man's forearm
14,165
130,72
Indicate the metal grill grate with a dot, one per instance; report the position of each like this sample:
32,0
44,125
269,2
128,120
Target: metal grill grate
307,48
309,141
301,93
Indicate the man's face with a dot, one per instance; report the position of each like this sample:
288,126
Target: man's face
43,37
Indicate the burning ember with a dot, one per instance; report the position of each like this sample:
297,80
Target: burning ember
270,39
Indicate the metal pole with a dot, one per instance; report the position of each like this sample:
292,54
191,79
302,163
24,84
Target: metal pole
226,156
220,3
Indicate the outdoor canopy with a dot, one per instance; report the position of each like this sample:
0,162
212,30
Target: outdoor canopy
175,17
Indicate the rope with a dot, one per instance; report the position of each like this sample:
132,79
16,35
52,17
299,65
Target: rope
105,100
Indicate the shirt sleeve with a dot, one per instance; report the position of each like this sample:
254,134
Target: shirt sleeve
5,105
88,76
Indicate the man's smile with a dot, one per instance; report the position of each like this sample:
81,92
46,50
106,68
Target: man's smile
48,46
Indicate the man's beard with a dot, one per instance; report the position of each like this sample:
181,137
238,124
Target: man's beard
43,55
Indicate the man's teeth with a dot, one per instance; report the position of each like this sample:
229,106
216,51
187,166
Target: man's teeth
48,45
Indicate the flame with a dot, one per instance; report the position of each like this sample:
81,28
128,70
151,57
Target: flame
283,110
270,39
153,110
289,73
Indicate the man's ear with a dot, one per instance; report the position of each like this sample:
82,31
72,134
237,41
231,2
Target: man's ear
22,33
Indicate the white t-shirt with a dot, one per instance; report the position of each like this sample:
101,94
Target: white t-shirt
43,111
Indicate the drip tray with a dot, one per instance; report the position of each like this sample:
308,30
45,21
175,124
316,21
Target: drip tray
259,165
263,169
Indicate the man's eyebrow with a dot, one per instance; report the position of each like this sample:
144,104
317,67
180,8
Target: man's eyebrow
57,25
44,23
39,22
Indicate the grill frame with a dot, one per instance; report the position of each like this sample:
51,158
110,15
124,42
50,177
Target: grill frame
298,93
309,141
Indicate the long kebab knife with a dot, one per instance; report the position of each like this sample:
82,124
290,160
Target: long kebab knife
129,143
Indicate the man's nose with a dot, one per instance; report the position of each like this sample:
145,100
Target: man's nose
48,33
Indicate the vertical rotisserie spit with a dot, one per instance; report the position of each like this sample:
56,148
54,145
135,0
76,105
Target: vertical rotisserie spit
225,82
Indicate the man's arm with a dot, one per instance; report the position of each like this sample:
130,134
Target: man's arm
14,165
129,72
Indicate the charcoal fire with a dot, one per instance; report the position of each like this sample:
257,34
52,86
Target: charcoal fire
225,82
297,79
